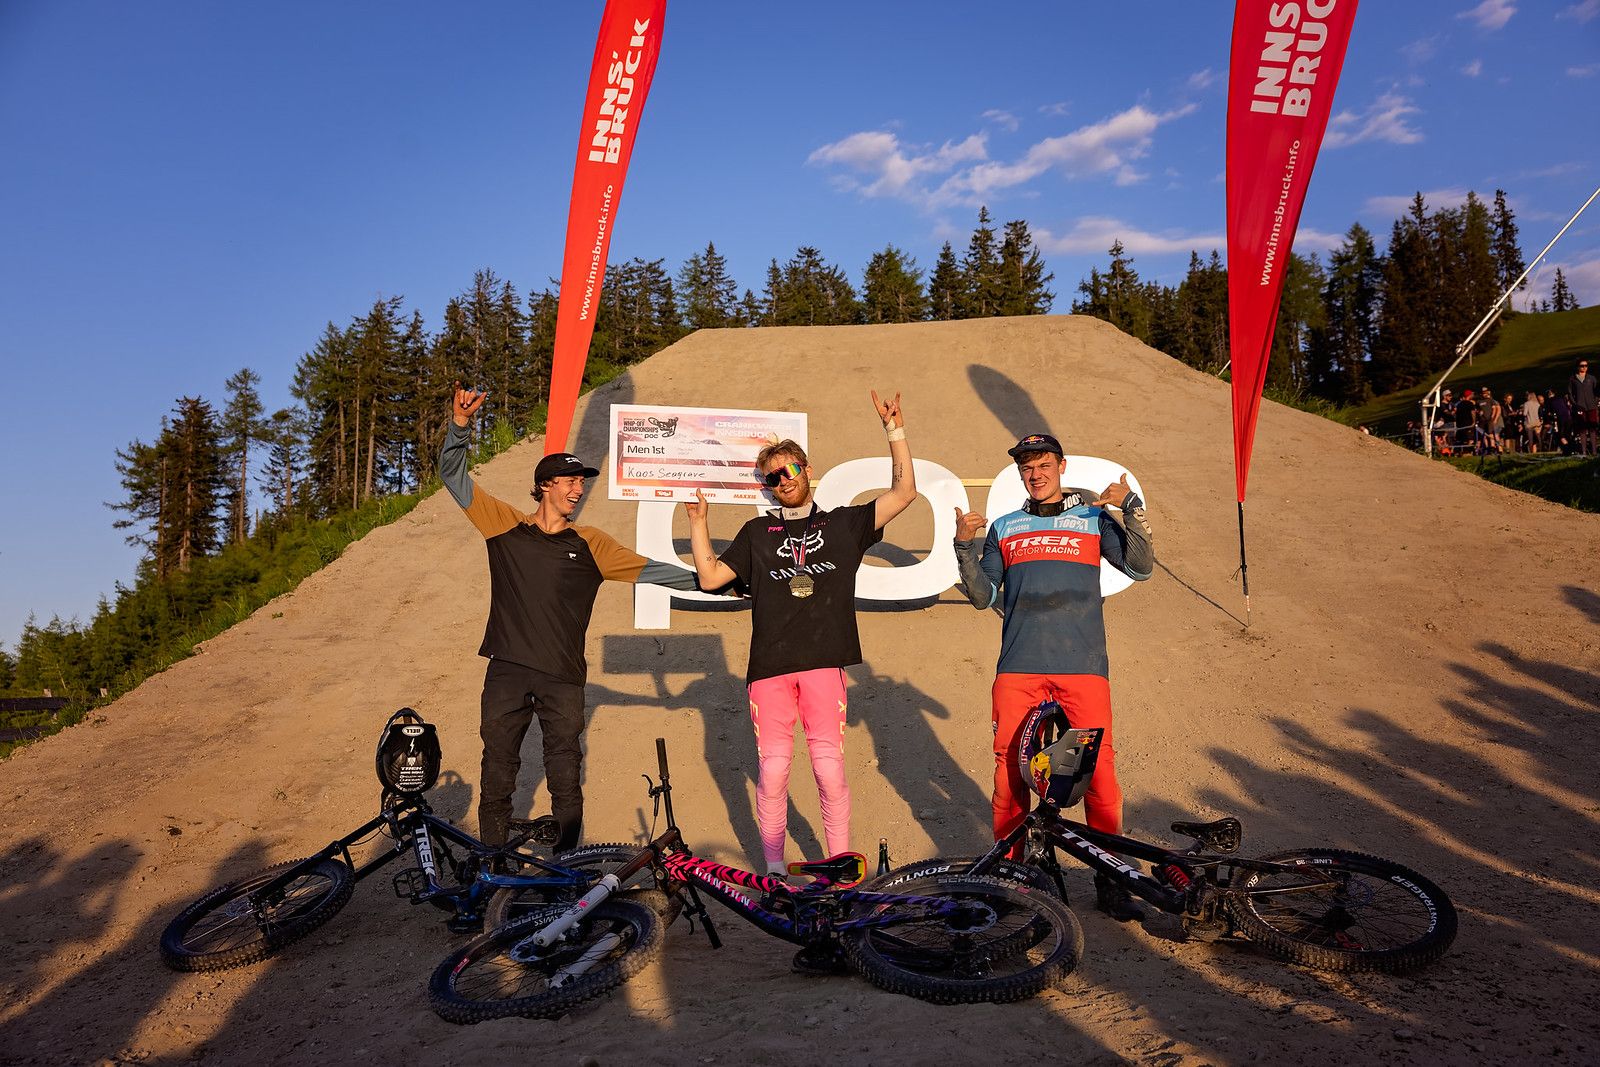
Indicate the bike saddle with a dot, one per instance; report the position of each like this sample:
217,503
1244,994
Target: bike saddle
844,870
1220,836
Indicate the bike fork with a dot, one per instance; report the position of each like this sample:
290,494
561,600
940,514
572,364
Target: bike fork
696,909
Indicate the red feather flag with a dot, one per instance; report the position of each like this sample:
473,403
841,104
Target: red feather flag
1285,67
624,61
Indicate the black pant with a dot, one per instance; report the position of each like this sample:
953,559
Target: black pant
512,696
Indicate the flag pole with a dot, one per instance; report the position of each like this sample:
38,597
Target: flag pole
1244,568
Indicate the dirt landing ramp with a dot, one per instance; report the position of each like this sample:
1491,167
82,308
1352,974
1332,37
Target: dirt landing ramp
1420,681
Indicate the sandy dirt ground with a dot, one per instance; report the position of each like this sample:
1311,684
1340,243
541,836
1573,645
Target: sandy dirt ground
1419,680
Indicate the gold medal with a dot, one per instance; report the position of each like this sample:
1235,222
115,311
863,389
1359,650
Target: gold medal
801,586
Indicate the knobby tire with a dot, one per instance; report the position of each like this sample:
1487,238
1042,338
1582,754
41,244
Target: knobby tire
482,981
222,929
1374,915
1031,943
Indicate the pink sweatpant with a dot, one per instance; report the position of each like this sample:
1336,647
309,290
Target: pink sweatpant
817,699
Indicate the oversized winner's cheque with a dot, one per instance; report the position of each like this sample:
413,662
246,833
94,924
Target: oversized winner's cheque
666,453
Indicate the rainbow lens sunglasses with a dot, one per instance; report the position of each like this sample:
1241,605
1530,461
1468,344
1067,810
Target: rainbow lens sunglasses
788,470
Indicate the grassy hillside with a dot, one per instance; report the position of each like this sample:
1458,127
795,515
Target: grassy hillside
1533,352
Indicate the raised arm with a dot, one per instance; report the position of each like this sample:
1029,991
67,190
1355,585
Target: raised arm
903,483
1127,545
453,455
713,573
980,565
491,515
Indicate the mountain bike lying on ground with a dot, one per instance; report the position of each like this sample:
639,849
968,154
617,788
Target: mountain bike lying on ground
948,939
253,918
1325,908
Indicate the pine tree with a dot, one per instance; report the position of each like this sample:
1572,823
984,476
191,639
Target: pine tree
323,385
892,288
1300,315
982,285
772,296
1023,280
1403,349
1507,253
707,294
1117,296
1350,306
813,292
196,483
542,308
279,475
419,382
1561,298
241,425
749,312
143,471
946,288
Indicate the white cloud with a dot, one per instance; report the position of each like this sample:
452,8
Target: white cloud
1583,72
888,168
1420,51
1105,147
1583,278
1202,79
1055,110
1555,170
1095,233
1491,14
1392,207
877,163
1386,120
1004,119
1473,69
1583,12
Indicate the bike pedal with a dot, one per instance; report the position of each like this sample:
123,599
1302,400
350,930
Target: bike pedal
465,924
410,884
541,831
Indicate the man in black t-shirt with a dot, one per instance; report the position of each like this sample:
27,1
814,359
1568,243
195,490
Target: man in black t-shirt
799,564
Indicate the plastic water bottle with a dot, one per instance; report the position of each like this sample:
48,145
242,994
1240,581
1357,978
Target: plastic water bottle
883,855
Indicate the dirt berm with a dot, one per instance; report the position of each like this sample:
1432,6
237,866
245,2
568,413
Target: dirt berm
1419,681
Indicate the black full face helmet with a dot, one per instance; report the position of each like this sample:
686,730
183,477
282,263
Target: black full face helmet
1056,760
408,754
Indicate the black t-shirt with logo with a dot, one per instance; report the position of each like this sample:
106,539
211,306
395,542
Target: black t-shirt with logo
789,633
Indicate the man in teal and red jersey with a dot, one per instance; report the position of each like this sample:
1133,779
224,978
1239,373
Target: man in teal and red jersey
1045,562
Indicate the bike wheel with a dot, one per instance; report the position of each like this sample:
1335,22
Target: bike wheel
501,973
1354,913
1013,943
224,929
1007,870
509,905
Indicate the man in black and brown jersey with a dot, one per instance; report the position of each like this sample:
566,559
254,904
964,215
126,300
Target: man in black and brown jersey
544,574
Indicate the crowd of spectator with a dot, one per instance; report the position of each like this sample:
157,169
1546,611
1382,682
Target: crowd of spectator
1564,422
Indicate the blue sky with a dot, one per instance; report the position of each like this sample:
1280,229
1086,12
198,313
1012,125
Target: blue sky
191,188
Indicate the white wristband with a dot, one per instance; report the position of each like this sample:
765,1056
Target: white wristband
898,433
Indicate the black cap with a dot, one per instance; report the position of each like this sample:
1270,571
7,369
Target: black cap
561,465
1035,442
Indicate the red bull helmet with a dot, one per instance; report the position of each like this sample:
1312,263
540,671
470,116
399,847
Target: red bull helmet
1057,760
